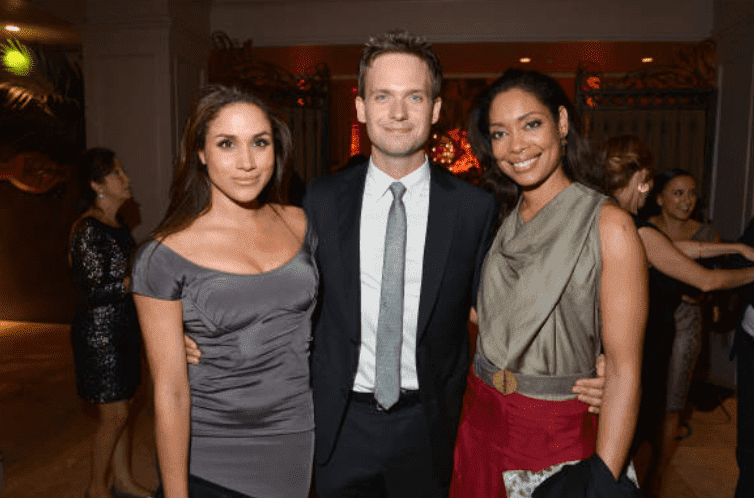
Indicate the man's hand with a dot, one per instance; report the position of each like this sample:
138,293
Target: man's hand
193,355
591,390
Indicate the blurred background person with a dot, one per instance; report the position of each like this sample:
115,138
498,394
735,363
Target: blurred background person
743,351
105,330
630,171
673,201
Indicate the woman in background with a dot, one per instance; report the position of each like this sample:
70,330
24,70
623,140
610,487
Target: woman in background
232,266
628,164
105,330
675,195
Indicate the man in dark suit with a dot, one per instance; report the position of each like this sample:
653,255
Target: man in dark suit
405,449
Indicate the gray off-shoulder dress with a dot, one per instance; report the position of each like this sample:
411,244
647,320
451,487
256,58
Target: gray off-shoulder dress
252,426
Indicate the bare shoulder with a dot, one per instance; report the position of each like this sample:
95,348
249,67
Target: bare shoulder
183,241
204,232
617,231
613,216
294,217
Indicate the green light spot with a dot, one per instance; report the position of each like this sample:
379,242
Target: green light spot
16,58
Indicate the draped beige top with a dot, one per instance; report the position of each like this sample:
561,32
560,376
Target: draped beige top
538,304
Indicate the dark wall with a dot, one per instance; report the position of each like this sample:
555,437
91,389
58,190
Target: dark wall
35,284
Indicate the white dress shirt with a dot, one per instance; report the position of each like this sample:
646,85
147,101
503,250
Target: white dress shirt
374,212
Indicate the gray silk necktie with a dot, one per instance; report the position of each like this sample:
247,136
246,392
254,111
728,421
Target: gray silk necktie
387,380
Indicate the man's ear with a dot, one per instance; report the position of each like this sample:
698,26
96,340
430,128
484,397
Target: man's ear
436,106
361,109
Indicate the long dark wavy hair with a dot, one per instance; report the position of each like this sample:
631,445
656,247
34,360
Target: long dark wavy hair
578,161
190,193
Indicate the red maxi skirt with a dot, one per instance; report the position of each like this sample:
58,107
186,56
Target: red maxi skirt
513,432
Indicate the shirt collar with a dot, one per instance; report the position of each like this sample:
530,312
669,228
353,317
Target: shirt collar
378,182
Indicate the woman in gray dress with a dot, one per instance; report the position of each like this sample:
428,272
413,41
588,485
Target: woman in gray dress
231,266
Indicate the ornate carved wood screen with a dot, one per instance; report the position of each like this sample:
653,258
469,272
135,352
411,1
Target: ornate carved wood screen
671,108
302,99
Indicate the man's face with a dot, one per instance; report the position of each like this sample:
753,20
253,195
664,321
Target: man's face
397,107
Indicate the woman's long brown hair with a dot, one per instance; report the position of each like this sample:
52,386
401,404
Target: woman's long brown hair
190,194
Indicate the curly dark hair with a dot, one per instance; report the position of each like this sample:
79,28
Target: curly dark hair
400,41
578,162
190,194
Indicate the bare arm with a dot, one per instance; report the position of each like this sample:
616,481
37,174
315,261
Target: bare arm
695,250
664,256
623,303
162,328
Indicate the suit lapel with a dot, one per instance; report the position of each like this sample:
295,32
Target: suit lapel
440,229
349,220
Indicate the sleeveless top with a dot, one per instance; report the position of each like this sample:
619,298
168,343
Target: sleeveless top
253,331
538,304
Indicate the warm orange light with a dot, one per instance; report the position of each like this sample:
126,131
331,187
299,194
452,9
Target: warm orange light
355,139
524,60
13,28
647,60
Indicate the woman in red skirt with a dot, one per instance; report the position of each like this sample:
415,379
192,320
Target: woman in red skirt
565,279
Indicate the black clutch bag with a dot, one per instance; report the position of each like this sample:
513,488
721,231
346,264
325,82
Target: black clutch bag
589,478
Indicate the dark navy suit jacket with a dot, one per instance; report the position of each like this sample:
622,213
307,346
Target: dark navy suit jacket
459,231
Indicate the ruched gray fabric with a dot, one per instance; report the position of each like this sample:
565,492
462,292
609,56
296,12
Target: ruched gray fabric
254,332
539,299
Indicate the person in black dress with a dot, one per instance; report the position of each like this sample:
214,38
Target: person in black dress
105,330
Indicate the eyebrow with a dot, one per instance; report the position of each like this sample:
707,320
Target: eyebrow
520,118
230,135
407,92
